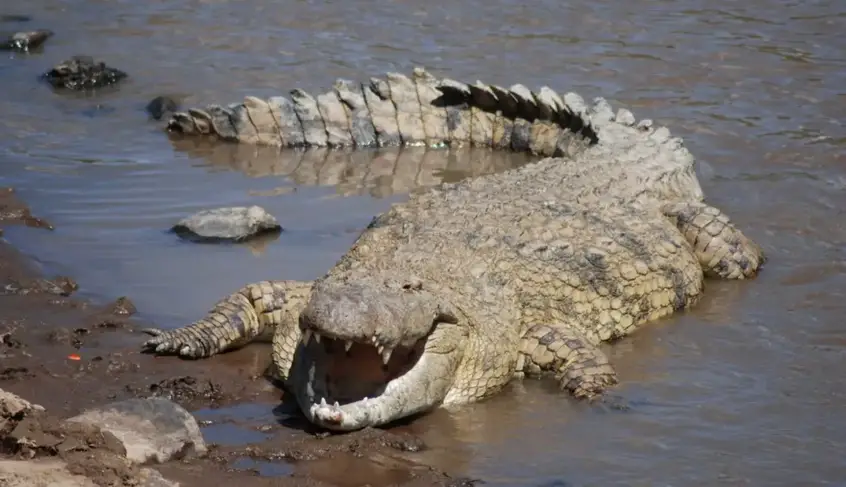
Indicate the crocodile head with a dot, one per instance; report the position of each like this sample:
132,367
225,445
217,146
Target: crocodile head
374,350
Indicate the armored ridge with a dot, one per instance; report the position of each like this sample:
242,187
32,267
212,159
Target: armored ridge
401,111
447,297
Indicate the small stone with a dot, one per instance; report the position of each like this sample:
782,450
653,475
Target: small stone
151,430
123,306
13,406
25,41
236,224
83,73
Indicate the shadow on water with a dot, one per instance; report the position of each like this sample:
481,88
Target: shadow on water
743,389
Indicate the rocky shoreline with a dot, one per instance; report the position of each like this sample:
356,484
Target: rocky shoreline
71,356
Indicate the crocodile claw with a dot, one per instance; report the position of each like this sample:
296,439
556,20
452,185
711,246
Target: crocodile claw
173,343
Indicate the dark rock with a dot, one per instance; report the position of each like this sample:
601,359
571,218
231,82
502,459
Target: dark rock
8,340
25,41
184,390
15,373
161,106
83,73
151,430
403,442
235,224
123,306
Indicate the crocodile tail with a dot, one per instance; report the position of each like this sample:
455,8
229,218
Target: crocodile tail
399,110
518,119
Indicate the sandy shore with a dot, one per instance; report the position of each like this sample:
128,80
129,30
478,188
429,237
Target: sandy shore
68,354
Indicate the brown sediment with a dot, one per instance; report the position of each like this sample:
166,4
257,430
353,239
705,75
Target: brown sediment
67,354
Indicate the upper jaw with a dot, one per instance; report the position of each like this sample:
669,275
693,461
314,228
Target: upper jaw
383,347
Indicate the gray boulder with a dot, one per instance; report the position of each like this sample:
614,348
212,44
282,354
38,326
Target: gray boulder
152,430
234,224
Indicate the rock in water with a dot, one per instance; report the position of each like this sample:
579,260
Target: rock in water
161,106
152,430
83,73
25,41
236,223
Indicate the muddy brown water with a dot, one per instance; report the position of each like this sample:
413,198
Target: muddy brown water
748,388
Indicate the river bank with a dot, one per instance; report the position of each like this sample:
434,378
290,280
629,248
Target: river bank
68,354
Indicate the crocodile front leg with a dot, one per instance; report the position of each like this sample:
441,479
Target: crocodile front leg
255,312
722,250
579,366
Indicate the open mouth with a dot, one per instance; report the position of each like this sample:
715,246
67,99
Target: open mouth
351,377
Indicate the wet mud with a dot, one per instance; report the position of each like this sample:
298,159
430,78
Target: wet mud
68,354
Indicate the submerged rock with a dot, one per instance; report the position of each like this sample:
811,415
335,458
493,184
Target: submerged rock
161,106
25,41
83,73
236,224
152,430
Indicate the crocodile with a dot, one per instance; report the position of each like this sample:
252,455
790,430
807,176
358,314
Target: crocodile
447,297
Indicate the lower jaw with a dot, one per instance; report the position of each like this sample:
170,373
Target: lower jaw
347,417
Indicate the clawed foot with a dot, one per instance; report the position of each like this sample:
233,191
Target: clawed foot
173,342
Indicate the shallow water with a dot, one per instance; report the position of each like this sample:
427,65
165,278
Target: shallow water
746,389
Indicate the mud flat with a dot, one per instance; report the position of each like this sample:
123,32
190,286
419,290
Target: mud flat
69,355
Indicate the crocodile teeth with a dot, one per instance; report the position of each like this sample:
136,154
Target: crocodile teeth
386,355
317,337
348,345
306,336
337,404
380,348
323,401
